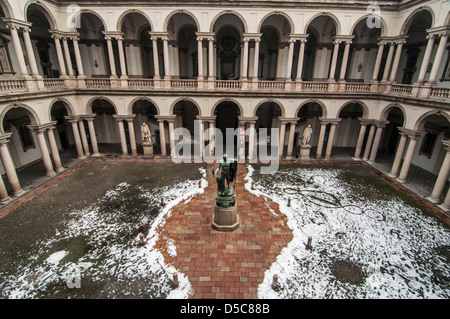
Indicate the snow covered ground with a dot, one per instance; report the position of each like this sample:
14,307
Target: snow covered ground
95,252
363,246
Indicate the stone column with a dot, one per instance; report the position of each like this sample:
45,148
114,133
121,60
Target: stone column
438,58
256,59
123,141
9,166
376,142
301,57
84,137
212,137
291,140
211,58
62,66
331,139
399,154
446,204
162,137
90,121
18,48
426,59
387,67
30,53
290,59
78,59
131,133
345,60
442,176
376,68
76,136
323,127
4,197
67,55
361,136
281,140
251,140
171,136
413,137
398,53
155,58
200,57
39,130
245,59
112,63
166,58
123,66
54,148
369,143
334,60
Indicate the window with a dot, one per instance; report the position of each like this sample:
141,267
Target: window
25,137
428,142
5,61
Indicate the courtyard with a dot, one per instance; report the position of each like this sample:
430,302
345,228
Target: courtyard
78,235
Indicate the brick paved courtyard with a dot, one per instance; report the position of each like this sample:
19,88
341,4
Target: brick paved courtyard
225,264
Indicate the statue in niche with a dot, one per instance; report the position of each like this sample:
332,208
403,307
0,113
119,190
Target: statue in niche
307,135
146,133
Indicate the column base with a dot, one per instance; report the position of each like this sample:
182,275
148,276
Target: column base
444,208
60,170
433,200
394,176
18,193
356,158
401,181
5,201
51,174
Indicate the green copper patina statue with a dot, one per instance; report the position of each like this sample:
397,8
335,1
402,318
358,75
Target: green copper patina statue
225,212
228,174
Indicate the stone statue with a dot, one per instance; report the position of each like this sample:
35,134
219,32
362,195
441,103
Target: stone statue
146,133
307,135
228,174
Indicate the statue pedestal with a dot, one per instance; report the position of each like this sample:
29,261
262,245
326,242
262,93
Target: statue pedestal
225,212
148,150
304,152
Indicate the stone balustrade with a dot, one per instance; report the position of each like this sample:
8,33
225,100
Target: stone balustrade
23,86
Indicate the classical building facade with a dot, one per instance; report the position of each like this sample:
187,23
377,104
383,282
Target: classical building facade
373,81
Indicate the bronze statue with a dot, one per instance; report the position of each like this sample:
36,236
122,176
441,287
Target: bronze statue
228,174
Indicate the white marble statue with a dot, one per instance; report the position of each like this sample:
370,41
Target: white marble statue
146,133
307,135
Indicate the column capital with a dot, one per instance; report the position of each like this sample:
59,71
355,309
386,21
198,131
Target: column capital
324,120
207,118
119,118
109,35
73,119
243,120
4,138
16,24
88,117
162,118
155,35
205,35
252,36
413,134
343,38
55,34
381,124
299,37
42,127
286,120
365,121
446,145
439,31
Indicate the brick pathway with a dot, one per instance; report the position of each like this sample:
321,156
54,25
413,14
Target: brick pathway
225,264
